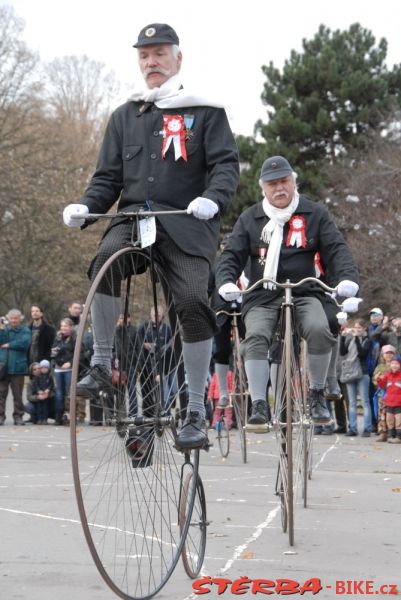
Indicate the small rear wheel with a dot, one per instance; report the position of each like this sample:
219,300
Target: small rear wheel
223,437
193,550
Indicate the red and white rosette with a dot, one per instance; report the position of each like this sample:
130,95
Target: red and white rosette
296,235
319,271
174,131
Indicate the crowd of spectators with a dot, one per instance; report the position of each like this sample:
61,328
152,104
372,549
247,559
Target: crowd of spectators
367,371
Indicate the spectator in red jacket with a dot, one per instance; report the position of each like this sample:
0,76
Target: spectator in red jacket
391,381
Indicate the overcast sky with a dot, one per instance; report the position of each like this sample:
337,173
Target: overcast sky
224,43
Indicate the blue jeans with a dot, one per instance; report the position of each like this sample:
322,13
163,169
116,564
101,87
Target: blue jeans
361,387
40,410
63,384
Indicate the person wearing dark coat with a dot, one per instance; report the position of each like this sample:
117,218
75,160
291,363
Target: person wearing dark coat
62,357
165,149
222,347
42,336
281,235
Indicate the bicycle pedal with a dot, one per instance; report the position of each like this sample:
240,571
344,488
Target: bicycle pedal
206,446
257,427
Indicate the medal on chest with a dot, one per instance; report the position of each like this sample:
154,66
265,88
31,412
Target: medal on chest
296,234
188,122
174,131
262,255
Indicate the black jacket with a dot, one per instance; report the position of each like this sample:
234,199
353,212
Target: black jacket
63,349
47,333
295,263
131,168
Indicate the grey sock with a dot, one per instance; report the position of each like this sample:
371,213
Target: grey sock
197,362
105,311
221,372
318,369
257,372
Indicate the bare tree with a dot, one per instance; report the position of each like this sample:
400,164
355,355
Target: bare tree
51,122
366,202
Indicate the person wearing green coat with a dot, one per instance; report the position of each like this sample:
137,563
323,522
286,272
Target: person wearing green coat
15,340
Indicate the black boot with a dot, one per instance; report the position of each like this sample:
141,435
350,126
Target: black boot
94,381
260,417
318,410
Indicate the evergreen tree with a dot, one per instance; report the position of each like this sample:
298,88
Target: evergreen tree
326,100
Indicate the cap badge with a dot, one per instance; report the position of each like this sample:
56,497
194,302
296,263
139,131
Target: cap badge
274,165
150,32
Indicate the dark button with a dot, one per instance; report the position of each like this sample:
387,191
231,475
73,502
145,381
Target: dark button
150,179
155,133
127,155
153,155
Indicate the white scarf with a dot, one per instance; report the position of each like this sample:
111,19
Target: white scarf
272,234
171,94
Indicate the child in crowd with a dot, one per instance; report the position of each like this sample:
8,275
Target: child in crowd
391,381
34,369
42,388
386,356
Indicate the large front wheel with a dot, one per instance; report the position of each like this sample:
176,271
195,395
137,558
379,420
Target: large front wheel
128,474
292,427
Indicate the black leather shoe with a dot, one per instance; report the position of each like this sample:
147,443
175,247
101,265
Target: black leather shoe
96,379
18,421
318,409
193,432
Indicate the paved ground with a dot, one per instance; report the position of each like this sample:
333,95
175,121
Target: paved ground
351,530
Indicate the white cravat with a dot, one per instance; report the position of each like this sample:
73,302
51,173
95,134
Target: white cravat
272,234
171,94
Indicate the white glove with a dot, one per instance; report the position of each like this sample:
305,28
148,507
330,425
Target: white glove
230,292
351,305
74,215
202,208
342,317
347,288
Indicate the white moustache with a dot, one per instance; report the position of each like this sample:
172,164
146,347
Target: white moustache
148,72
276,194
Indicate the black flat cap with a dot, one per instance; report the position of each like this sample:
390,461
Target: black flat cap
275,168
157,33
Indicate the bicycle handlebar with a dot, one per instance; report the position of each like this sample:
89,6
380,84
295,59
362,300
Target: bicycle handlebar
136,213
228,313
288,284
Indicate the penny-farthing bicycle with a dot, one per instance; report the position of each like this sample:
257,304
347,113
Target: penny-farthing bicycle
239,394
291,417
136,491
